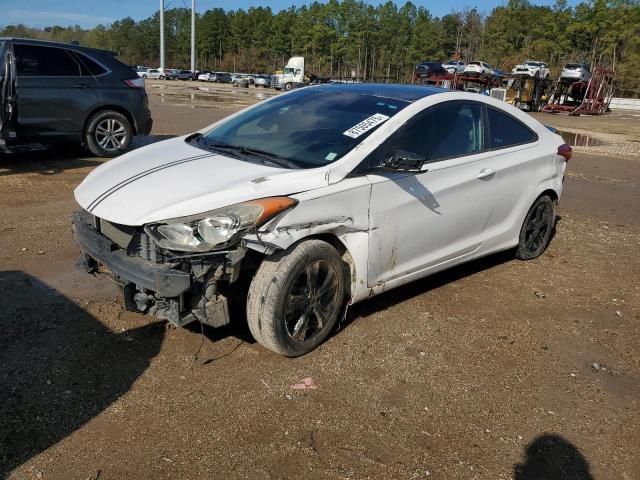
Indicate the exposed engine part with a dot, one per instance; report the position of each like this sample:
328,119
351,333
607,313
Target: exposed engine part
211,307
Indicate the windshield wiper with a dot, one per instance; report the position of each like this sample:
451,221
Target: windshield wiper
272,158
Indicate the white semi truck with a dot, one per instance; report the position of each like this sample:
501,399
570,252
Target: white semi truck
292,76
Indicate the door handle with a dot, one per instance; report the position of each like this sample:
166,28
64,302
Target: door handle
486,173
79,85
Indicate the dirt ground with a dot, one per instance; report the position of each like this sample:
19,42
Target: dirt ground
498,369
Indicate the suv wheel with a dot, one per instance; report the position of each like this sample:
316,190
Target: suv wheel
296,297
108,133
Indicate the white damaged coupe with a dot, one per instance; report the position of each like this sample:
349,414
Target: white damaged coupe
317,199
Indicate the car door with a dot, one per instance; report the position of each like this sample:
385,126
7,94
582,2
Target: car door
53,97
7,96
421,220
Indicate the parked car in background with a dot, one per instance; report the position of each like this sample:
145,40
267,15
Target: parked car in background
154,73
239,80
479,68
425,69
576,71
263,81
184,75
63,93
220,77
532,68
205,76
171,73
141,70
351,176
454,66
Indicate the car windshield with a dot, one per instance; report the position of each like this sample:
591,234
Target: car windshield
308,128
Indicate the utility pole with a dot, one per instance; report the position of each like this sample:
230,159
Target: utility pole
162,36
193,35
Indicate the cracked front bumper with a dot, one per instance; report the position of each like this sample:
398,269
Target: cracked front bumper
162,279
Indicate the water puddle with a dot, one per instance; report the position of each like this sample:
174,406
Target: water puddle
206,100
579,139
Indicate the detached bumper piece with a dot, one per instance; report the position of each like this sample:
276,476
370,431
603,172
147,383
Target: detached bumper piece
180,291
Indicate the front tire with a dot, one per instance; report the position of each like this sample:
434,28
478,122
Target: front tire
108,134
537,228
296,297
288,86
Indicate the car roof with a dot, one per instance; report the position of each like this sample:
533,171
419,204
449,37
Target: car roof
407,93
49,43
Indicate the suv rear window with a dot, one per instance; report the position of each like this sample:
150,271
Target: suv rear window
38,61
89,66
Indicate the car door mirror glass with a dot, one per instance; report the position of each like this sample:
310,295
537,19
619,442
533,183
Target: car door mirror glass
404,160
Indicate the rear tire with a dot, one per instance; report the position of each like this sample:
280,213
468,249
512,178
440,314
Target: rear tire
537,228
161,77
296,297
108,134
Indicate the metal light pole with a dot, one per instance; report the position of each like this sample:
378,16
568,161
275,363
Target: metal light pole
162,35
193,35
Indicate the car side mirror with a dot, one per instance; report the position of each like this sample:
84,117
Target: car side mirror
404,160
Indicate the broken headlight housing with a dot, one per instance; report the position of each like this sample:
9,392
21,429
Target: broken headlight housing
210,230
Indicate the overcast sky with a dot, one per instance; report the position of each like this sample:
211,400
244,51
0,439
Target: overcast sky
89,13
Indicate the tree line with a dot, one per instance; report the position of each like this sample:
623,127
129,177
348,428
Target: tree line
377,43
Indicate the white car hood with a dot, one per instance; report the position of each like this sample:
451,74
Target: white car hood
172,179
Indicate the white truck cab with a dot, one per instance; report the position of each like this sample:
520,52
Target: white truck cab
293,74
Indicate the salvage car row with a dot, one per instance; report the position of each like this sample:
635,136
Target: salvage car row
530,68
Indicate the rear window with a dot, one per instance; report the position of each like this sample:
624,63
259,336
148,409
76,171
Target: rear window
89,66
39,61
506,131
474,63
572,65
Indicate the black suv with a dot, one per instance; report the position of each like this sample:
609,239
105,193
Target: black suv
55,92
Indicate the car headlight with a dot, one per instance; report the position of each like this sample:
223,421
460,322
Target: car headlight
207,231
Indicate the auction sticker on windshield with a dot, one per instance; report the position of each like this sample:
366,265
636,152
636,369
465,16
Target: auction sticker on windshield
366,125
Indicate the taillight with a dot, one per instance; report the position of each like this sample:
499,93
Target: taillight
135,82
565,151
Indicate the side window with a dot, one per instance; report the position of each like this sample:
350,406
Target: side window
37,61
88,66
506,131
451,129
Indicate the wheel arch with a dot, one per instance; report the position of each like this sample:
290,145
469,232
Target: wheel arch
115,108
351,270
551,193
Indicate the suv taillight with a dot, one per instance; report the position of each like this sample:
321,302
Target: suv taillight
565,151
135,82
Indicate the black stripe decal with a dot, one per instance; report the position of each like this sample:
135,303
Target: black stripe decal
142,174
